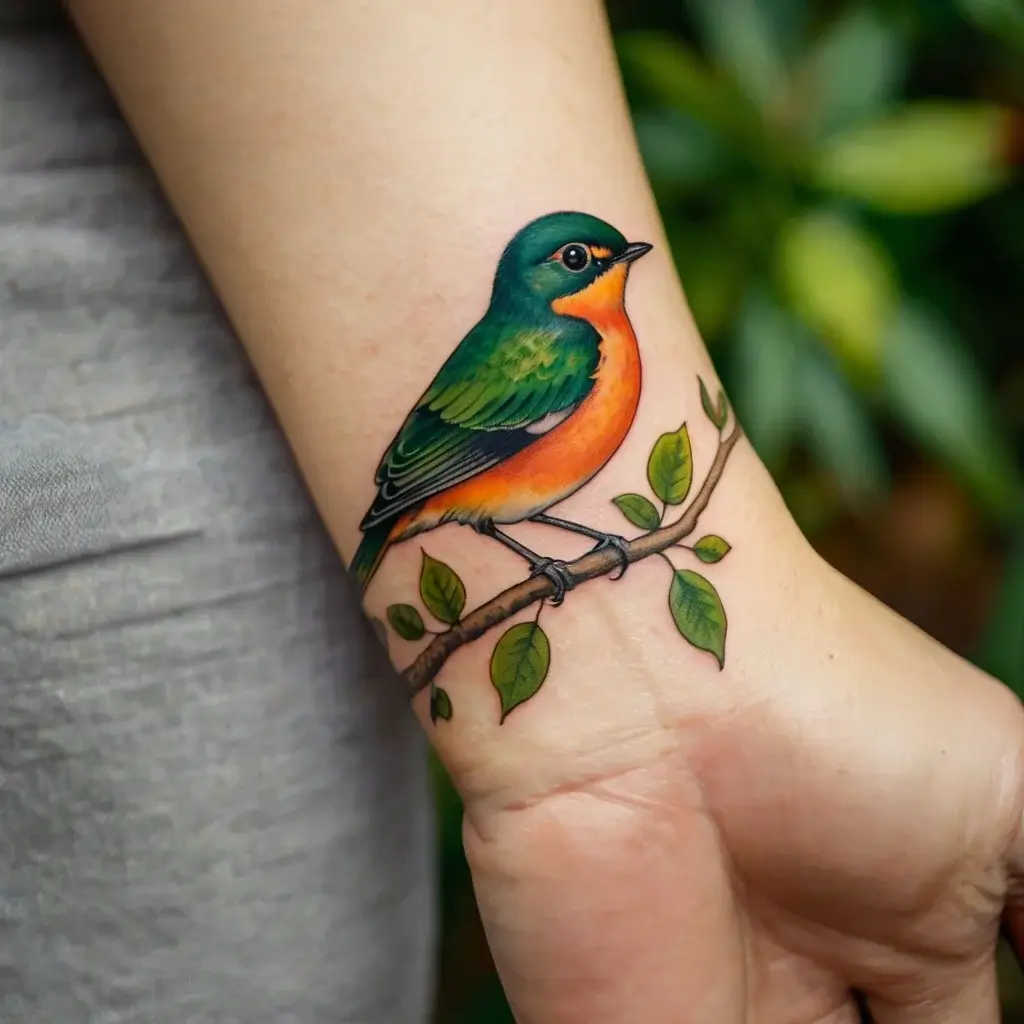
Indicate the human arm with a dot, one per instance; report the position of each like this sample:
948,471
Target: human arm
349,175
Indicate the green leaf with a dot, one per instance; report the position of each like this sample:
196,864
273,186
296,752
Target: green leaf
670,467
718,412
448,808
671,73
838,430
519,665
406,621
677,149
698,612
1003,650
924,158
934,387
381,630
789,24
706,261
764,374
706,404
841,281
442,590
742,34
488,1004
1004,18
855,68
711,548
640,511
440,705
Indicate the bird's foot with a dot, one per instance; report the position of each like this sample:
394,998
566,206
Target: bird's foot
558,572
485,527
621,545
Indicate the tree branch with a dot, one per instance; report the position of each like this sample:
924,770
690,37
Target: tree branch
588,567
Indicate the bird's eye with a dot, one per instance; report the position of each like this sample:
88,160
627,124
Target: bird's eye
576,257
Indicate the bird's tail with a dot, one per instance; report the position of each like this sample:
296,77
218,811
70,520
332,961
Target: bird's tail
370,552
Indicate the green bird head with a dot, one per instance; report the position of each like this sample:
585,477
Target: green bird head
560,254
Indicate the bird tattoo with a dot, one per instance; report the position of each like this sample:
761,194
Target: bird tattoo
533,402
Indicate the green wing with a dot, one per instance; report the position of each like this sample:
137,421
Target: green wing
479,410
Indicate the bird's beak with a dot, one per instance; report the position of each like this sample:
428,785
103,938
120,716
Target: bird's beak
633,251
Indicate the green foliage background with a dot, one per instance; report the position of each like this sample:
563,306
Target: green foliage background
840,183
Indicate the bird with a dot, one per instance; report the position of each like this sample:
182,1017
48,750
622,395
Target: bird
527,409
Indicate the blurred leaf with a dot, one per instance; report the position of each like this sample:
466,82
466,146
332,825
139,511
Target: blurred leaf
924,158
837,428
672,74
765,387
789,24
934,387
840,280
677,149
1004,18
1003,650
814,499
856,67
712,276
449,814
488,1006
743,37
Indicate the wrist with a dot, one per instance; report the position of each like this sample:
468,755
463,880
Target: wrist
624,684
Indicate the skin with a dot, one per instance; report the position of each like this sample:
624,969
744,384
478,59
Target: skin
651,839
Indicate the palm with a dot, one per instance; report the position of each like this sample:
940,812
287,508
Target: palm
844,824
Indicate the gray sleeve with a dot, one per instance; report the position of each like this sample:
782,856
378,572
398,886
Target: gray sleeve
213,803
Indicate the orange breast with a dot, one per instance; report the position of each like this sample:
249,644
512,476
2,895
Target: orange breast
563,460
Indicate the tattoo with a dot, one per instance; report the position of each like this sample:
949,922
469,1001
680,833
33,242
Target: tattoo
527,410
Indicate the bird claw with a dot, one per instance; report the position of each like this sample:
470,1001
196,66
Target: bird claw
558,572
621,545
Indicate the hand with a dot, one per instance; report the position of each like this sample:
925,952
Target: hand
837,811
653,840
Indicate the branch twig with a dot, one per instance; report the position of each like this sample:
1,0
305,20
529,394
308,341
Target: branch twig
588,567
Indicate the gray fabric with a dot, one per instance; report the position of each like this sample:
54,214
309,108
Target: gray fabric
212,799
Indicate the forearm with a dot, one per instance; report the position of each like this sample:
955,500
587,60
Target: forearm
349,175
